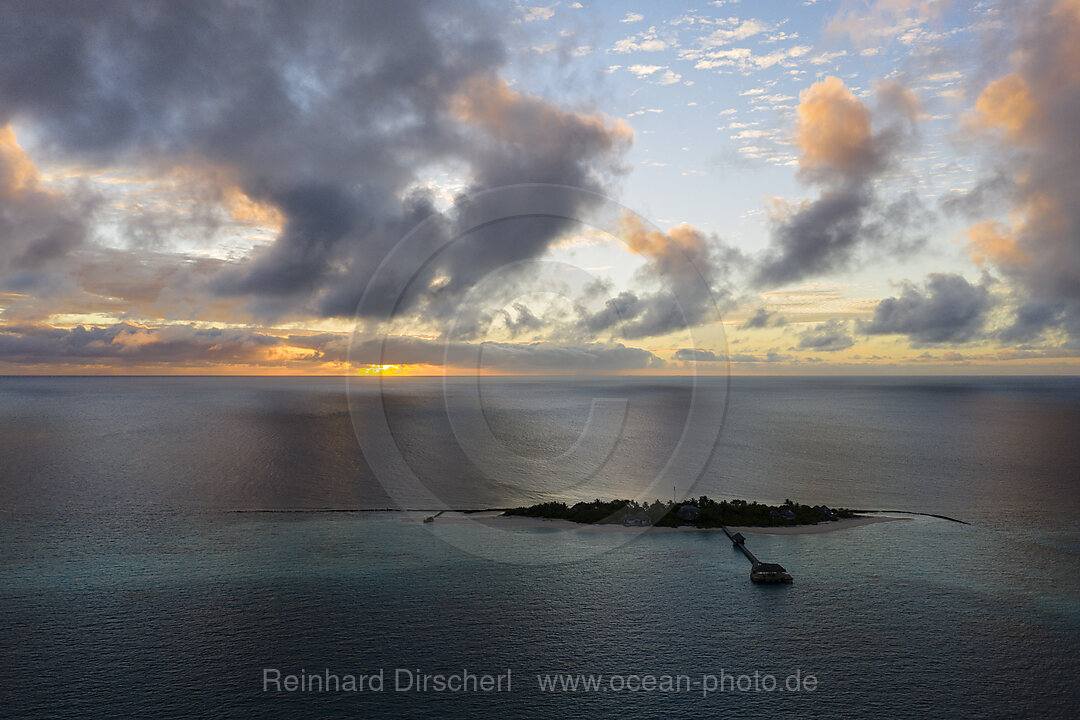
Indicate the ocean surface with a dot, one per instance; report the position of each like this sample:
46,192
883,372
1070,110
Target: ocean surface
164,541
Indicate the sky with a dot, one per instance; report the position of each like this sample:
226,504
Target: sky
414,188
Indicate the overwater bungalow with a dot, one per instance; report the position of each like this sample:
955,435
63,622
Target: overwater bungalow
769,573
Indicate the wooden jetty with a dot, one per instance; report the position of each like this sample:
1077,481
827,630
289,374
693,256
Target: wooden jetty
760,572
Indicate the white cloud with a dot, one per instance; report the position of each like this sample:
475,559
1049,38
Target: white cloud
646,45
723,58
779,56
945,76
746,134
666,77
646,41
645,70
669,78
633,18
733,29
828,57
869,23
530,14
744,58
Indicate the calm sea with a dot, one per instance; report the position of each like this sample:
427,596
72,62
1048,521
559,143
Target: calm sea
131,587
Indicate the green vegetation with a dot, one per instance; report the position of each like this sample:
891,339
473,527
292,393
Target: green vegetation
711,514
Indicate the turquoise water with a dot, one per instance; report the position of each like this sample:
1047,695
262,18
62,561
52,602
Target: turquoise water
128,589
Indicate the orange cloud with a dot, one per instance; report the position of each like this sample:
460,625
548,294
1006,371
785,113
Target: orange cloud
991,242
1029,115
38,226
834,130
660,246
247,211
17,171
220,185
133,337
1007,104
1016,102
515,117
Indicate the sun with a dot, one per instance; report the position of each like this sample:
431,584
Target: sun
390,370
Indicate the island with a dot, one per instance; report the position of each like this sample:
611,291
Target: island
702,512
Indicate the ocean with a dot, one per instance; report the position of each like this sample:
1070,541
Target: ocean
168,542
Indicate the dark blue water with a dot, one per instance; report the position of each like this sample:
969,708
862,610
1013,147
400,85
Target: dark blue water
129,589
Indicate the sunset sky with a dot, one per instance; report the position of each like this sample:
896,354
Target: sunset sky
884,186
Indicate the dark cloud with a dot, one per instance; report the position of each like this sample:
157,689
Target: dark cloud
697,355
948,309
694,272
828,336
987,193
816,237
660,313
1031,320
331,113
522,321
126,343
621,308
770,357
841,151
763,318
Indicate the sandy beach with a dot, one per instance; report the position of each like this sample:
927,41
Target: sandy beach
498,520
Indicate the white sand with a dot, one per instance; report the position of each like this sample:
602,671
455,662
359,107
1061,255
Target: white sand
823,527
496,519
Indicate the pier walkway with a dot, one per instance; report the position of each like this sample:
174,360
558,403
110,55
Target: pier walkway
760,572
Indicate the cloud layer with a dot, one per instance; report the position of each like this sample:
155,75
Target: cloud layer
131,346
330,114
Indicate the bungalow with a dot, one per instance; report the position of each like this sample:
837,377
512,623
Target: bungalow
688,513
638,519
769,573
